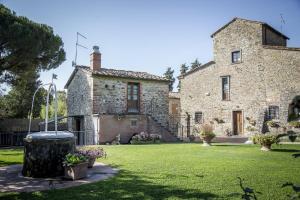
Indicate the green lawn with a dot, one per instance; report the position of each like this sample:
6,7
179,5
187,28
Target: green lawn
182,171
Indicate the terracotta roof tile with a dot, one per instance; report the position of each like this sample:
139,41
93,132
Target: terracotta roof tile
124,74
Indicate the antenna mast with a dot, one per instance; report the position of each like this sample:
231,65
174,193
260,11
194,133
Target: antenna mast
78,45
282,22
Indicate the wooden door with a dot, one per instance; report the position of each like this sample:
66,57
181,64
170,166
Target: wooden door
237,122
133,97
174,108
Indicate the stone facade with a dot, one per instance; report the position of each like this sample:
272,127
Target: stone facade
267,75
98,99
110,97
79,104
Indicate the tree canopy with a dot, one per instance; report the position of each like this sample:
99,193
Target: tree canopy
17,103
61,106
183,70
169,74
26,49
26,45
195,64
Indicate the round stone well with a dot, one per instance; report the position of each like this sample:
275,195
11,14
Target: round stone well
44,153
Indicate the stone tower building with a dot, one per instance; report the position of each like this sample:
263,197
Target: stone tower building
253,77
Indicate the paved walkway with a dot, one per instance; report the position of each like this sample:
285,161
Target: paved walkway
11,179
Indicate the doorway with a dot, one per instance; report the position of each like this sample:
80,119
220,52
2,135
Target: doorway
237,120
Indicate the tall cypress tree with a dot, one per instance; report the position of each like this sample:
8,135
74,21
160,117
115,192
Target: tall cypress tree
169,74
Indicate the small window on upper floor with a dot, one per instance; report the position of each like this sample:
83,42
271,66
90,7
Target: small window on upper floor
273,112
236,57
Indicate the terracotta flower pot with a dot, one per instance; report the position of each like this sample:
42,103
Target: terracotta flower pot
75,172
91,162
266,147
207,141
292,138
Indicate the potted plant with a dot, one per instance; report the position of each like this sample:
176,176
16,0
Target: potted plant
265,140
92,153
292,135
295,125
75,166
206,134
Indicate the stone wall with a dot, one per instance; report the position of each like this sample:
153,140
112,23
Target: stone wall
282,78
110,97
114,125
263,77
107,97
79,102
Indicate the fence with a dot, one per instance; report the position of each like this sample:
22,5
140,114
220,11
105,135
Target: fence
13,131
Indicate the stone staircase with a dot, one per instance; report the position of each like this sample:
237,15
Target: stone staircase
155,127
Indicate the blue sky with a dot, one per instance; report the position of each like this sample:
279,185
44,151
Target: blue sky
149,35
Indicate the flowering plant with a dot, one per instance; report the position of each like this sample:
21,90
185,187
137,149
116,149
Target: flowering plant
91,151
145,138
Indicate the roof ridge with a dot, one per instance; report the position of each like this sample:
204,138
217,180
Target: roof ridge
127,71
197,68
247,20
85,66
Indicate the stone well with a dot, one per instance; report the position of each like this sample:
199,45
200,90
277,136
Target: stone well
44,153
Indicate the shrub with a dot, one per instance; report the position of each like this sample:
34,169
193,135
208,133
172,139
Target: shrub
272,124
266,140
206,132
144,138
295,124
91,151
74,159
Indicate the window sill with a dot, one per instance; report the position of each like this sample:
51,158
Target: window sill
234,63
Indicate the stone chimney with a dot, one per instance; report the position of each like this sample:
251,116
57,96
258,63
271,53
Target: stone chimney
95,59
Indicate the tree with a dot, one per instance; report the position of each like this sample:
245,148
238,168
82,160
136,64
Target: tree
195,64
169,74
61,106
183,70
17,103
26,46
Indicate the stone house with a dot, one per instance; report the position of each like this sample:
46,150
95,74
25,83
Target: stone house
254,77
109,104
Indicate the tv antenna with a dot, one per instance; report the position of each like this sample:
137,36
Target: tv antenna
282,22
78,45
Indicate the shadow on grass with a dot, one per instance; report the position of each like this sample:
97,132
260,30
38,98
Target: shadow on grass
296,155
5,163
286,150
125,185
229,145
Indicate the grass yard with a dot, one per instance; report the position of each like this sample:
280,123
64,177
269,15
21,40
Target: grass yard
182,171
